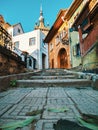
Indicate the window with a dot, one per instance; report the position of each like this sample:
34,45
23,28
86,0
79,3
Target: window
16,44
51,47
85,22
76,50
14,32
43,44
32,41
57,40
18,30
63,33
84,35
86,27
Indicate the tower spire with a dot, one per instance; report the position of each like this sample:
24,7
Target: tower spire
41,10
40,25
41,18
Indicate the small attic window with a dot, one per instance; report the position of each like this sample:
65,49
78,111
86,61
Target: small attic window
18,30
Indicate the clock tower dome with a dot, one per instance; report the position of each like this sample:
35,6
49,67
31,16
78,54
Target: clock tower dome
41,25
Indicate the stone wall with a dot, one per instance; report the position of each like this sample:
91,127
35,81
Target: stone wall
10,63
6,80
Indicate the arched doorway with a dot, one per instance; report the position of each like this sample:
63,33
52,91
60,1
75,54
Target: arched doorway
62,58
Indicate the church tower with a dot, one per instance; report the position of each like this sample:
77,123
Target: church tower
41,25
41,18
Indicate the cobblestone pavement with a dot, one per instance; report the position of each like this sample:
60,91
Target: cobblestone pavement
15,103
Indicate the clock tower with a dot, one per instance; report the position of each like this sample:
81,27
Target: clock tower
41,25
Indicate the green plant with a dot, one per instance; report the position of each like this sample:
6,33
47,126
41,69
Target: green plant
13,83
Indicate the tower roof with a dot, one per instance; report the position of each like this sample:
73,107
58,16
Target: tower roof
41,18
40,25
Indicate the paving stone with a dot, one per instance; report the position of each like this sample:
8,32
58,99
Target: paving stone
85,102
19,112
91,93
59,101
45,125
4,94
88,109
56,92
25,128
29,101
38,92
14,97
71,113
5,121
4,108
16,103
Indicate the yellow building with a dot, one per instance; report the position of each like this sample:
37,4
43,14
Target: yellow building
58,43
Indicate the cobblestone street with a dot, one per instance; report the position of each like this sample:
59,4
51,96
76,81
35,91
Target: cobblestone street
15,103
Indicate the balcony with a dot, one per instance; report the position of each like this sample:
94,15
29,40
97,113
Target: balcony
89,41
62,38
5,38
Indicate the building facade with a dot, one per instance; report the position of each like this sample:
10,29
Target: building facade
10,62
5,37
30,45
58,43
74,41
86,24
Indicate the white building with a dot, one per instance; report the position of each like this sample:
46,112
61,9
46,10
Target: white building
30,45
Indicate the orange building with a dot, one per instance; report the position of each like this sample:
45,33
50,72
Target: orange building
58,43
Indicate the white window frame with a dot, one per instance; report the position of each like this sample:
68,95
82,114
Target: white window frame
32,41
16,44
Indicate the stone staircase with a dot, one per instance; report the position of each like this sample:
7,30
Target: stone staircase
54,78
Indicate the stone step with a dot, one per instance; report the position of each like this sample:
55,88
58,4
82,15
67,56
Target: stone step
52,73
54,83
54,77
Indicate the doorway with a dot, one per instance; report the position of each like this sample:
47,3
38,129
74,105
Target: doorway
62,58
43,61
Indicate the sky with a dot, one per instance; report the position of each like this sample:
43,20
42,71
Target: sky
27,12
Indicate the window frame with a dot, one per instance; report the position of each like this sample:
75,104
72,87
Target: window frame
32,41
15,43
51,46
76,50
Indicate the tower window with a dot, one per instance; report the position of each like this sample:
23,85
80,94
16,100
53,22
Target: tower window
32,41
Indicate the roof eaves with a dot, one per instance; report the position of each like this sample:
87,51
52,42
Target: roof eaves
54,29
